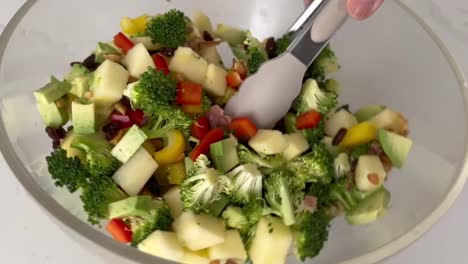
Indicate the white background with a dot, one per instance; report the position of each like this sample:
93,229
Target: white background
28,236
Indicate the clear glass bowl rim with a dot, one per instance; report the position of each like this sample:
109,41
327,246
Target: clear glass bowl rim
87,232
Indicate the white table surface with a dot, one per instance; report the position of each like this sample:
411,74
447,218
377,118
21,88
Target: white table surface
28,236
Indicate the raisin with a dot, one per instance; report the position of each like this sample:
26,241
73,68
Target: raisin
339,136
126,102
111,130
56,134
207,36
90,63
270,48
169,52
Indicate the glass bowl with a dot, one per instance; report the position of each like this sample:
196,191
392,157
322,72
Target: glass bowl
392,58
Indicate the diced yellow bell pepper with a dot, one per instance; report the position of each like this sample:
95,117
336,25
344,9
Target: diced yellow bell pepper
133,26
173,149
359,134
171,174
191,109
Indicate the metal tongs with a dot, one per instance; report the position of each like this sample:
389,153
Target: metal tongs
266,96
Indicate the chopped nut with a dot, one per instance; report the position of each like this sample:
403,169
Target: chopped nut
373,178
88,95
121,108
239,67
119,136
61,103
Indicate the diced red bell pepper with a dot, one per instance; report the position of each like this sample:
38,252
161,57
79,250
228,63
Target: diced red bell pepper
234,79
121,41
200,128
123,120
189,93
120,231
203,147
243,128
161,63
308,120
137,116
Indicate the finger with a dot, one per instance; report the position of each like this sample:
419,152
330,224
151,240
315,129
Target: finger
307,2
362,9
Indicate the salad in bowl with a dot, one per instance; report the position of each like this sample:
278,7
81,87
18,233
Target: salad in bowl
138,129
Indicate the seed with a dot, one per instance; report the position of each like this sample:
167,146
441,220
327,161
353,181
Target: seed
113,57
339,136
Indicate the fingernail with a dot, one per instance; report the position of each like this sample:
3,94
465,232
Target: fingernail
307,2
362,9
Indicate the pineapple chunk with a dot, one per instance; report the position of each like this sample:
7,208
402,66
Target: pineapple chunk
163,244
196,257
138,60
297,145
110,79
198,232
215,82
172,198
269,142
190,64
232,248
271,242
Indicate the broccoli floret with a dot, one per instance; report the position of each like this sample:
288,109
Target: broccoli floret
314,135
331,86
159,218
325,63
244,219
246,183
153,91
312,97
206,103
97,194
316,166
203,186
235,217
322,192
311,233
256,58
281,195
98,189
345,192
66,172
341,165
256,53
99,160
282,43
169,29
168,117
270,162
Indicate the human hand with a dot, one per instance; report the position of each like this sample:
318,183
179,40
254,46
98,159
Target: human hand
358,9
